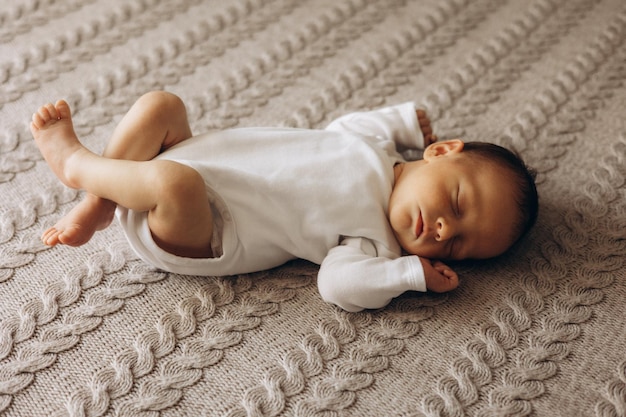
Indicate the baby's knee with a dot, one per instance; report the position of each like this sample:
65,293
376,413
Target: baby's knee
175,180
162,103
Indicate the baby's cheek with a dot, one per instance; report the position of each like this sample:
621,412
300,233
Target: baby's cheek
395,218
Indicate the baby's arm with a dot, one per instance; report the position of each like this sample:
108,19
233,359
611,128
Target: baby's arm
403,124
354,276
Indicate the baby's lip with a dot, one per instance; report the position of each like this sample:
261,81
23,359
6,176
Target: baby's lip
419,226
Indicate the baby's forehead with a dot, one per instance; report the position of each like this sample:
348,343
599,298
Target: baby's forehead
498,163
492,169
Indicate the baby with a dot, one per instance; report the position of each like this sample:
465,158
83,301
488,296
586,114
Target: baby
249,199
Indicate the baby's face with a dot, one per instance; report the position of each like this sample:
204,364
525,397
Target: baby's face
452,206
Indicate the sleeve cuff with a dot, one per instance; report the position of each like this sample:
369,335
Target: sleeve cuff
409,115
416,280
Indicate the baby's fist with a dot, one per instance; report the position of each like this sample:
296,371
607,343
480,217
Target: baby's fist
439,277
427,130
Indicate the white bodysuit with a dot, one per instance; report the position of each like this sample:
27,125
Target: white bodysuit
321,195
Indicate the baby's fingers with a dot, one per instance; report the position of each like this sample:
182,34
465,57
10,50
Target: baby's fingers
425,127
441,267
451,277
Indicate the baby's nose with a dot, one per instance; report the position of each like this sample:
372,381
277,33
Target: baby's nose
444,229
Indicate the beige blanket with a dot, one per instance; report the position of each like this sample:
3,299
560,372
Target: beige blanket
93,331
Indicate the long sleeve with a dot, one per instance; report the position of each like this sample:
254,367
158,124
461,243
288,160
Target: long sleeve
355,277
397,124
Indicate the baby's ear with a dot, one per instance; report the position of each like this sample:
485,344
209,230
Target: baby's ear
448,147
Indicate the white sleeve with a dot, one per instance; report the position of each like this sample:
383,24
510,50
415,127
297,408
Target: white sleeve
354,278
396,123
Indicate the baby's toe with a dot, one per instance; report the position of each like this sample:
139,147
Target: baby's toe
52,111
63,109
51,236
37,120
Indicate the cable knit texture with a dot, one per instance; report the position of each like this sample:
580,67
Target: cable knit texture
92,331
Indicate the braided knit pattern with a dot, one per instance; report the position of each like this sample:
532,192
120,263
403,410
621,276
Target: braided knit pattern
541,331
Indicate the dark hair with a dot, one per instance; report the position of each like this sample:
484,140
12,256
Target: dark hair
524,177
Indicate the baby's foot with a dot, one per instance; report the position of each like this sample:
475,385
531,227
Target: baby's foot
80,224
426,128
54,135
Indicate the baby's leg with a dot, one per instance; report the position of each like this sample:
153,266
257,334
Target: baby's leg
174,195
157,121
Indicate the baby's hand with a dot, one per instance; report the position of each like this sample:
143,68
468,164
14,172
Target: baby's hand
427,130
439,277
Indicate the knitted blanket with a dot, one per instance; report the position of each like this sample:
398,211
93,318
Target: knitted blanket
93,331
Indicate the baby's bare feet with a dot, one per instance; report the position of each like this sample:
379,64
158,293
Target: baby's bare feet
426,128
80,224
54,135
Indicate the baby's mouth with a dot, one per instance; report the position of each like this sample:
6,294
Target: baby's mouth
419,226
